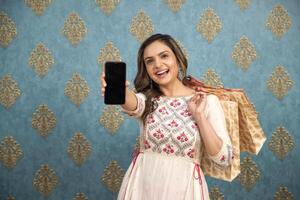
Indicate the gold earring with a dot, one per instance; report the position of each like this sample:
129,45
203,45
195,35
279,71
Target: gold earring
180,73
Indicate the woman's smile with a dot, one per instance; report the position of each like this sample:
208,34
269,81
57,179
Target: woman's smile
162,73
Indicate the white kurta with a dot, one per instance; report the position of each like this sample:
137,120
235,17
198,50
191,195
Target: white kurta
168,164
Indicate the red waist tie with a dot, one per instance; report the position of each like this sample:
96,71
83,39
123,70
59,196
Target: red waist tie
197,168
134,155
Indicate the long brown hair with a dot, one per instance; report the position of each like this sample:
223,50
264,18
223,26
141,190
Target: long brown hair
143,82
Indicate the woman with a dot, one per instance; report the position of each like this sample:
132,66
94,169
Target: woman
176,122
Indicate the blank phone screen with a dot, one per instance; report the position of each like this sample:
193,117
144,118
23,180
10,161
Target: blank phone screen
115,77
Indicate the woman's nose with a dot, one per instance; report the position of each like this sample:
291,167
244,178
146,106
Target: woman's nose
158,63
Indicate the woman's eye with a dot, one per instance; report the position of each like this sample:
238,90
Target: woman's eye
148,62
164,56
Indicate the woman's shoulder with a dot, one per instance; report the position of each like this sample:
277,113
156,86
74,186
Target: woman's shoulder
212,97
212,100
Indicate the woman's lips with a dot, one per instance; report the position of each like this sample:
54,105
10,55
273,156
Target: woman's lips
162,73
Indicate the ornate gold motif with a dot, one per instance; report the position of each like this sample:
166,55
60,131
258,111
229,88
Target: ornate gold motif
9,91
41,60
80,196
38,6
45,180
250,173
215,194
283,193
184,50
108,53
43,120
174,5
279,21
10,152
79,148
279,82
244,53
8,30
11,198
74,29
281,143
211,78
77,89
113,176
141,26
108,6
111,118
209,25
243,4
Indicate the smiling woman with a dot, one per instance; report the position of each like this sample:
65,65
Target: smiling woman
158,53
175,122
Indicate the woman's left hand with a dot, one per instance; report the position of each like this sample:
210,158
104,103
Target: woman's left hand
197,104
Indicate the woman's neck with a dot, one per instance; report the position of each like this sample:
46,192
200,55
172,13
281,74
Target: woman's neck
176,89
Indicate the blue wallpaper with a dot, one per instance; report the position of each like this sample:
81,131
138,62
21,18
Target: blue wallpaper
33,29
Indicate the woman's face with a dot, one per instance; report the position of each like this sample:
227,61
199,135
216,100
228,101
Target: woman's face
161,63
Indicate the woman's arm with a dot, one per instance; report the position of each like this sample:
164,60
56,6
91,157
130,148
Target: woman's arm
210,118
211,140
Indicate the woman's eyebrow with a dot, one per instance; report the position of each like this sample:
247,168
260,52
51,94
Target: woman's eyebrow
163,52
158,54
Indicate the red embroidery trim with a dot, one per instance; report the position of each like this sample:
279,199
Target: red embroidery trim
197,168
222,158
135,155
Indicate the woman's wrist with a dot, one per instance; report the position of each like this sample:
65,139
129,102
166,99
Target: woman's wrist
200,117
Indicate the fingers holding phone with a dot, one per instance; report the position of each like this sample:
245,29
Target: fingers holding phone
103,83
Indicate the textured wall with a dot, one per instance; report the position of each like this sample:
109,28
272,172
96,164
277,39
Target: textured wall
49,89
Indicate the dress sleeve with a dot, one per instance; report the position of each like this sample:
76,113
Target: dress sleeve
215,115
140,106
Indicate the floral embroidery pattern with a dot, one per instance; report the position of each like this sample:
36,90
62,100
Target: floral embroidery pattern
168,149
163,110
175,103
191,153
158,134
168,135
173,124
182,137
186,113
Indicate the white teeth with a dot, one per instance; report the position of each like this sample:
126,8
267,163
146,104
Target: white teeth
161,72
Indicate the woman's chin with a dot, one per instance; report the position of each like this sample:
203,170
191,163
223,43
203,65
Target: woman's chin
163,82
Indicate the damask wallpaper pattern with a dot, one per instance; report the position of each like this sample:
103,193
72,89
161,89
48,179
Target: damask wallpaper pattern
59,141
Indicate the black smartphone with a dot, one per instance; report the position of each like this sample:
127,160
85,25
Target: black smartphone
115,77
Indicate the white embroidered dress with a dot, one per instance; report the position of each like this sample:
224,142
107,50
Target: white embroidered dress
168,164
